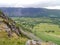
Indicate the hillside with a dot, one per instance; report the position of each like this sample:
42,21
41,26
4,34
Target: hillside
31,12
11,33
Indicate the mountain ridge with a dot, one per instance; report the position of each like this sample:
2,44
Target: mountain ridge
30,12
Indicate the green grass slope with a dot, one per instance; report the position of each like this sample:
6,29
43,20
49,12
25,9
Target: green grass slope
15,40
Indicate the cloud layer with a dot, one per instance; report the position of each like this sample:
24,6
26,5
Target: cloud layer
30,3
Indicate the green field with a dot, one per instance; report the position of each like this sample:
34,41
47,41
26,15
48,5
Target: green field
48,32
47,29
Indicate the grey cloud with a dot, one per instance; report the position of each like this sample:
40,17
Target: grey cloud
45,4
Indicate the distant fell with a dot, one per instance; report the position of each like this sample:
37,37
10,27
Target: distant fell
30,12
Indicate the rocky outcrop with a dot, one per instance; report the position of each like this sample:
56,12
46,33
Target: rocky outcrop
10,24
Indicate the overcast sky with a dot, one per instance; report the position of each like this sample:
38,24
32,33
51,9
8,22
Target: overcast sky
50,4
